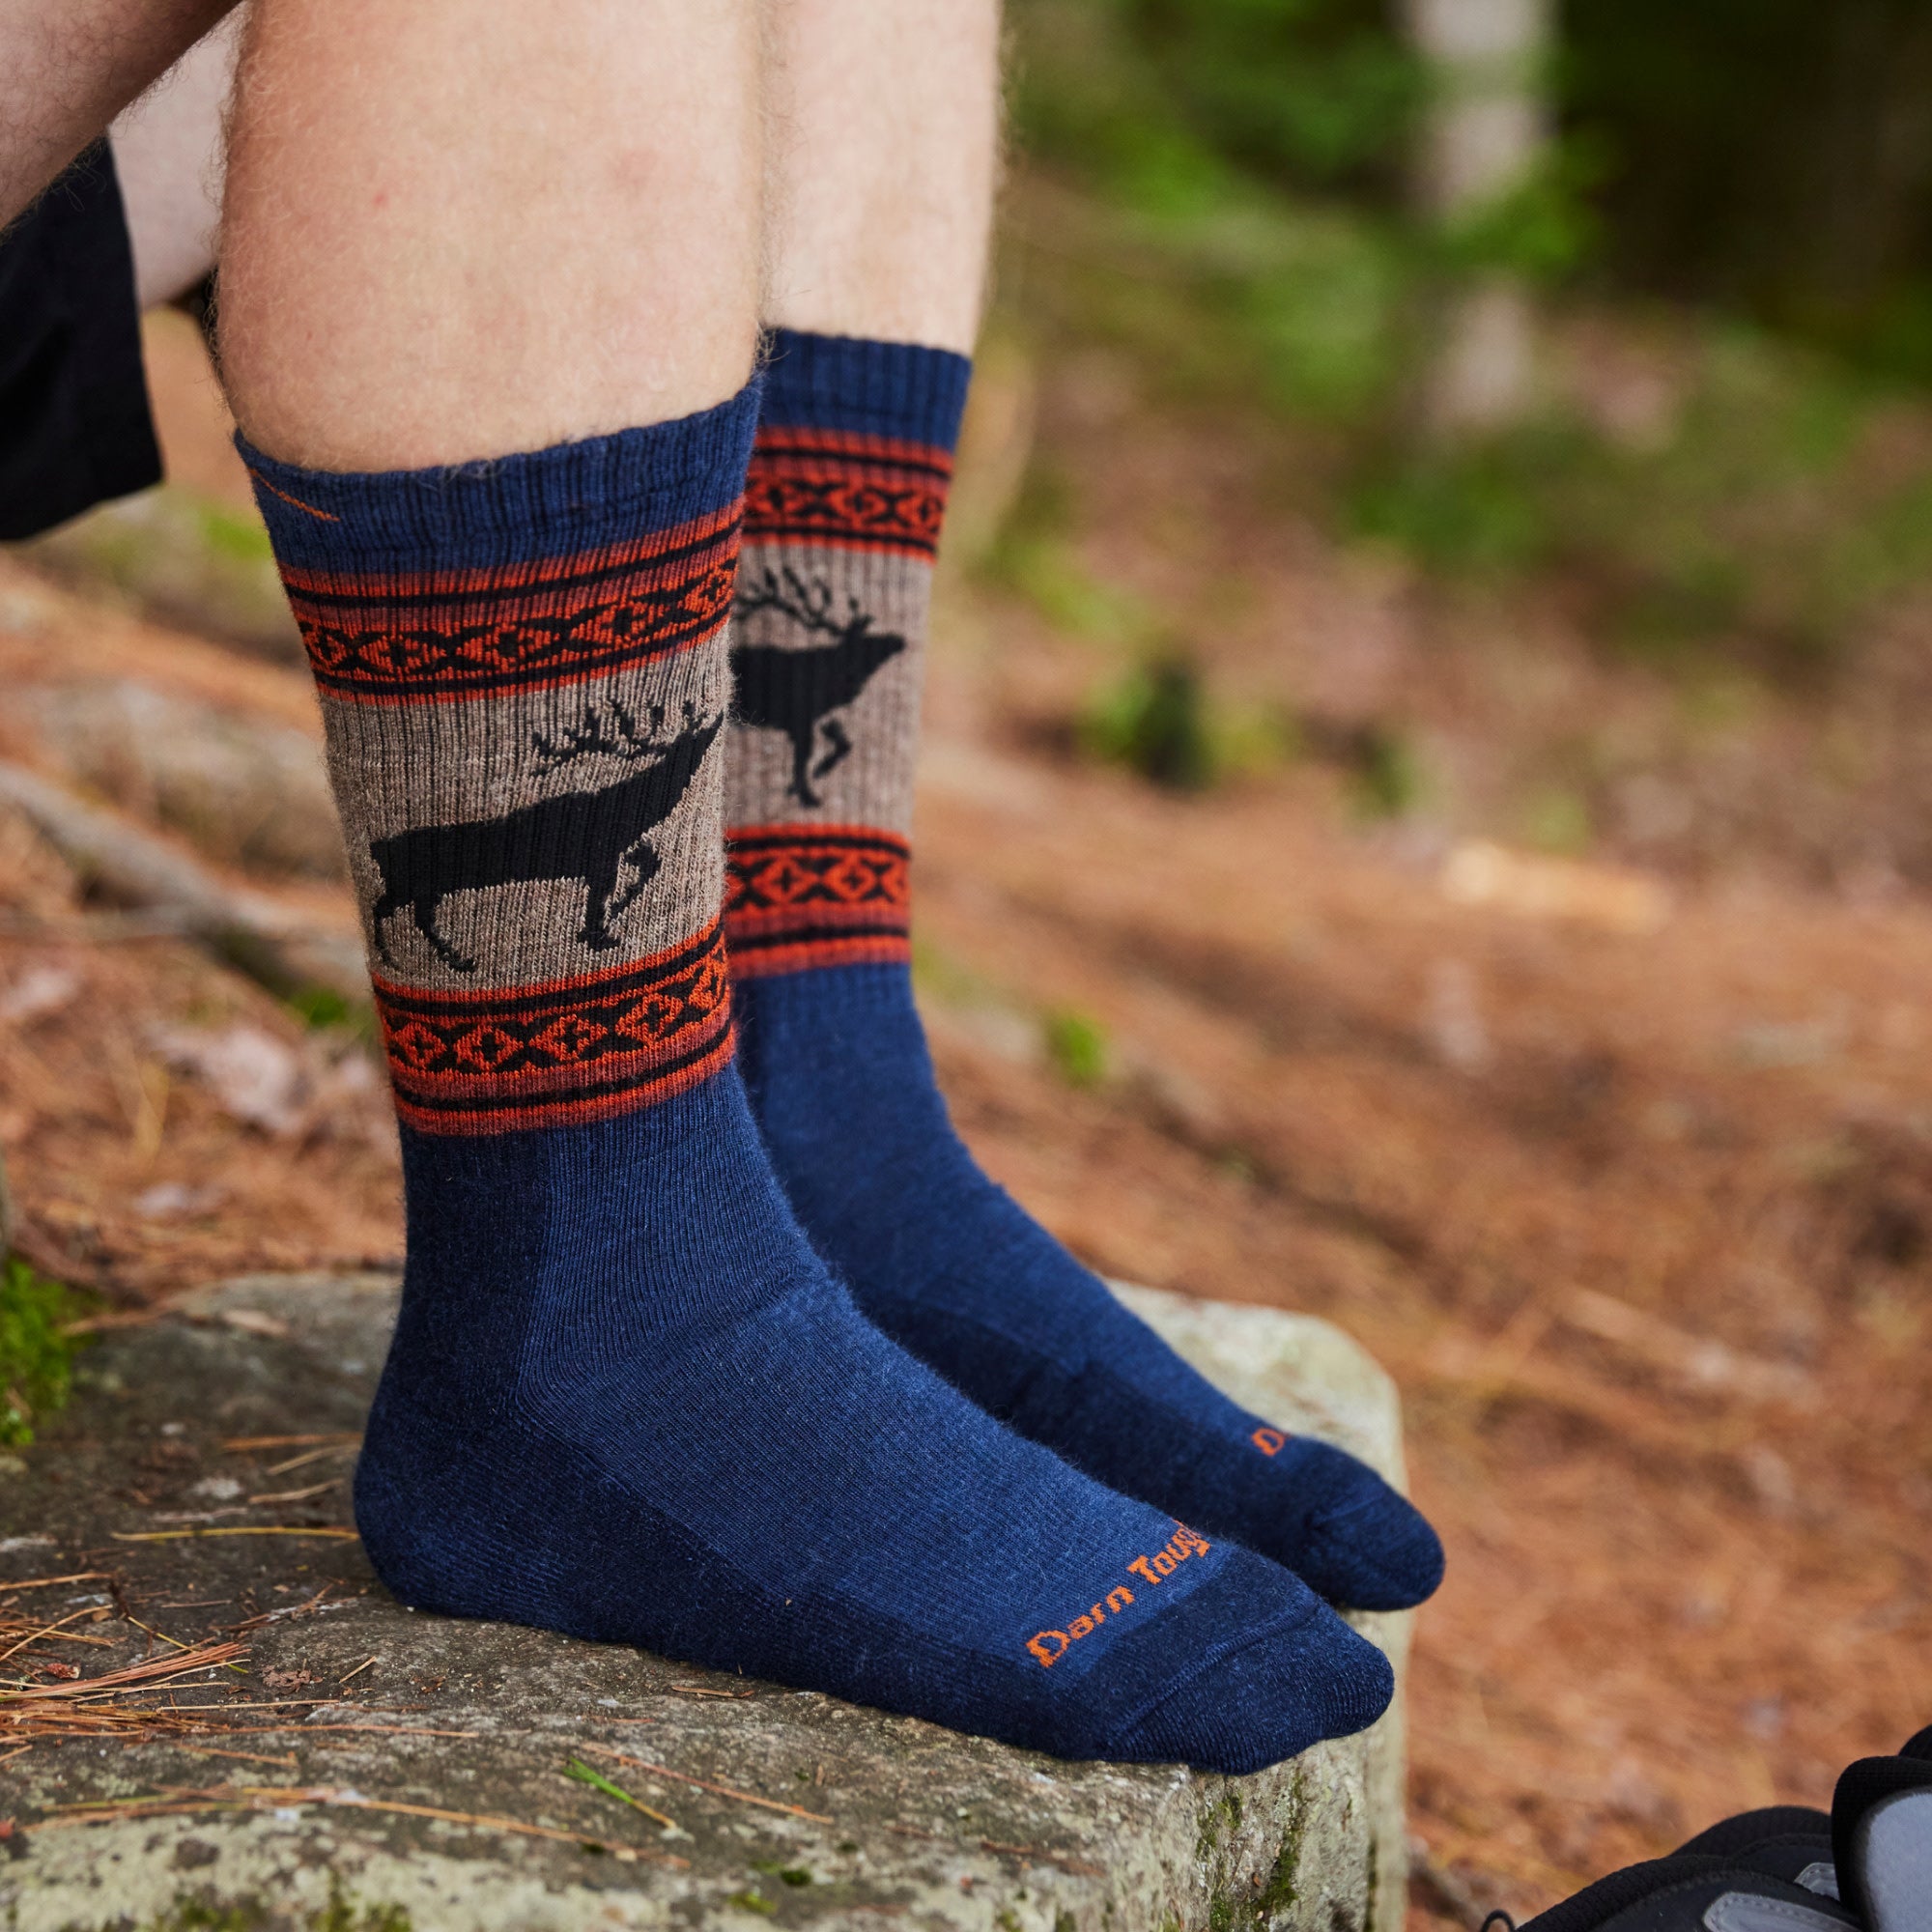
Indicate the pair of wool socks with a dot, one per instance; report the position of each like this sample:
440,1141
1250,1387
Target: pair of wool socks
843,518
626,1397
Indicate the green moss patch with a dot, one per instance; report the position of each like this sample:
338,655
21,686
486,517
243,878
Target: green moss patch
35,1351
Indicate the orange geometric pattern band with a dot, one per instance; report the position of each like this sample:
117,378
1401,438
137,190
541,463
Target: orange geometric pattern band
798,896
851,491
491,1061
396,639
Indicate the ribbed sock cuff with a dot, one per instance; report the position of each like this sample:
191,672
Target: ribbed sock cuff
895,389
573,496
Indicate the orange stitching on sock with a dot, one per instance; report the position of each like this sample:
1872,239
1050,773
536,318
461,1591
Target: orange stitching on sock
1268,1441
295,502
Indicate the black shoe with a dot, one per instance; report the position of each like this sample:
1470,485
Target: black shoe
1882,1838
1788,1842
1694,1893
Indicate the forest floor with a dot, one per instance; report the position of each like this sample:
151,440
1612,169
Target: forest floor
1624,1172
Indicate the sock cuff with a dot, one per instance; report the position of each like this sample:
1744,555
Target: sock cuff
897,389
507,509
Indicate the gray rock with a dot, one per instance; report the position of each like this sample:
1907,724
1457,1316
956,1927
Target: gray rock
370,1770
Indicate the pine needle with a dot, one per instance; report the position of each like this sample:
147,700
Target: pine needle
233,1529
703,1784
154,1673
584,1775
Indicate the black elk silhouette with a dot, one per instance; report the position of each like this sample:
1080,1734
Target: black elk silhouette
578,834
796,690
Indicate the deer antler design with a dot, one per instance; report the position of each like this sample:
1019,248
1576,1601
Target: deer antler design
807,605
595,737
796,689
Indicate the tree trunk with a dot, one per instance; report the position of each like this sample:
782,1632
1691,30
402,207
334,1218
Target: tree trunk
1486,133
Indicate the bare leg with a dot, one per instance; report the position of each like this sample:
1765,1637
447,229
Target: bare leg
442,243
168,152
68,67
881,166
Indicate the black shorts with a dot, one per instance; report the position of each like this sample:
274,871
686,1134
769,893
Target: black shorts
74,425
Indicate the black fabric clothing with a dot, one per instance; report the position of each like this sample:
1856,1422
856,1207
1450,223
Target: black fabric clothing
74,423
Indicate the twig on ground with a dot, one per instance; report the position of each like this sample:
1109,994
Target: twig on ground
123,1318
26,1631
1445,1889
136,1724
1701,1360
246,929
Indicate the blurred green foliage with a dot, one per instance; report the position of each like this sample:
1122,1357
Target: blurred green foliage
1386,778
1557,819
1766,155
1030,555
1160,721
1220,200
1155,722
1076,1045
1184,110
1778,500
323,1009
230,535
1165,100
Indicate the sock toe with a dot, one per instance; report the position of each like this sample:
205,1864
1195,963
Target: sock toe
1369,1547
1270,1697
952,1269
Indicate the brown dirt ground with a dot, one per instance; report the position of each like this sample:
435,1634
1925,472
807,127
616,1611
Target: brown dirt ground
1633,1196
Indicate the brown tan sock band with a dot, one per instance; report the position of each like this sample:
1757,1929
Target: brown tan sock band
843,506
523,679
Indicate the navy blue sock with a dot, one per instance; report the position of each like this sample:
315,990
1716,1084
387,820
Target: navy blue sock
625,1399
843,515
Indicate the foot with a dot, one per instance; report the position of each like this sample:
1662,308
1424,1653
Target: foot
953,1270
625,1401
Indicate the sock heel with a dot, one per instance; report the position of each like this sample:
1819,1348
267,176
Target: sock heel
413,1503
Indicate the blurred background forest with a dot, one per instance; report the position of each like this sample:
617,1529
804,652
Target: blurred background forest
1426,817
1622,310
